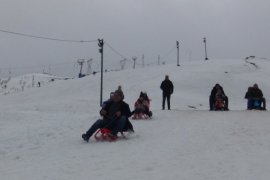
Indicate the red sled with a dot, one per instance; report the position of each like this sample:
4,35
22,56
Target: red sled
104,134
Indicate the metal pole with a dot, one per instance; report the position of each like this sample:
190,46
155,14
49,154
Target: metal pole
101,44
143,60
134,61
204,40
177,46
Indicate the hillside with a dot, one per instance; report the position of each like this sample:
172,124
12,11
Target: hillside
40,128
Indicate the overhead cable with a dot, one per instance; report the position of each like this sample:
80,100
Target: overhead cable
46,38
119,54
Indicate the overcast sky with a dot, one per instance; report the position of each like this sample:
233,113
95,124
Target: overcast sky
234,29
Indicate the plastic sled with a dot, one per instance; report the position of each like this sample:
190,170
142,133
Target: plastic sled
142,116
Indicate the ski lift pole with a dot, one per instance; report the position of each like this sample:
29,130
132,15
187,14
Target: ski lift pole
101,44
204,40
177,46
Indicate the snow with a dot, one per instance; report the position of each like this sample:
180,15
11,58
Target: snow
20,83
40,128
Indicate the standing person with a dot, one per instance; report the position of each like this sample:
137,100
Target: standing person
115,117
167,90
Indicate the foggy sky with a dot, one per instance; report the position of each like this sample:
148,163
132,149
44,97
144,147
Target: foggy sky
233,28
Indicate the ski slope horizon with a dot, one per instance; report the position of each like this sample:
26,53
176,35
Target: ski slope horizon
41,128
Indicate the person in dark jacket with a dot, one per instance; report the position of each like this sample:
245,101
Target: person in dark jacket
115,117
248,96
255,94
108,100
167,90
217,88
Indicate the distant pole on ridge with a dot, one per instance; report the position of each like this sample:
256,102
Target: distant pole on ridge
89,66
143,60
122,63
134,61
204,41
177,46
80,62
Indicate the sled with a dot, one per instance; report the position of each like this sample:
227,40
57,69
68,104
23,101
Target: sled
104,134
219,105
142,116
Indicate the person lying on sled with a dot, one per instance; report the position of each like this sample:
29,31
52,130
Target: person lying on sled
115,117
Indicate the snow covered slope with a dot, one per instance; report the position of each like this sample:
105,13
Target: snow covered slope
40,128
21,83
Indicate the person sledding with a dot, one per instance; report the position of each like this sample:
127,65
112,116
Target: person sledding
255,98
108,100
218,100
142,107
115,118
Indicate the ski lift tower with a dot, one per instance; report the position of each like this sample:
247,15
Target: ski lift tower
89,66
123,63
134,58
80,62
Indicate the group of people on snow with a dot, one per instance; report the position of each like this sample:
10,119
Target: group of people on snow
115,111
219,101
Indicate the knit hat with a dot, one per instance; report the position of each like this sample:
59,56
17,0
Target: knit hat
120,93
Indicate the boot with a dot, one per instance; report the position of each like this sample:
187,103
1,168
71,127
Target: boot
85,137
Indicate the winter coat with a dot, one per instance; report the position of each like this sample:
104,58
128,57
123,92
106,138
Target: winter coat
248,94
256,93
123,108
214,91
167,87
142,104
